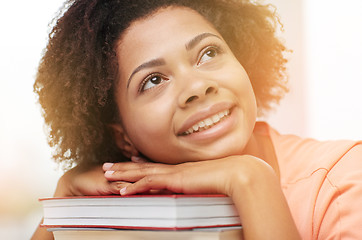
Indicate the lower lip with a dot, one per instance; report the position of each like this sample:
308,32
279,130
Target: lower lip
225,125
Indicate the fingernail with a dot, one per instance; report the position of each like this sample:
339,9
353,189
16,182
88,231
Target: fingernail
107,166
135,159
123,191
108,173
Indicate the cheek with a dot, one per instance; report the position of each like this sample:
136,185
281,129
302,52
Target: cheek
240,85
150,124
237,80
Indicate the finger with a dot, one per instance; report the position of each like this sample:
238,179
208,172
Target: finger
115,187
105,188
123,166
138,171
107,166
143,167
151,182
129,175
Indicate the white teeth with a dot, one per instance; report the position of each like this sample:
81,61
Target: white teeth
202,124
215,118
208,122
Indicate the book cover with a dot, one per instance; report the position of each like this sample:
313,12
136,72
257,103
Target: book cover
175,211
230,233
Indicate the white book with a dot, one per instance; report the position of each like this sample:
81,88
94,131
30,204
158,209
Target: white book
229,233
141,211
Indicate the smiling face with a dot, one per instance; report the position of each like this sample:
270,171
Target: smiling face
182,95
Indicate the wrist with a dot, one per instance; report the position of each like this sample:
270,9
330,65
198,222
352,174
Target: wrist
62,189
65,183
250,174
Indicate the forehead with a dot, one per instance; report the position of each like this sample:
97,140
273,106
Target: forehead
175,17
148,37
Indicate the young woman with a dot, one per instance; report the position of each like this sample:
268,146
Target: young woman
176,87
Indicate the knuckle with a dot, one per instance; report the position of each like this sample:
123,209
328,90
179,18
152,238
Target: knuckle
143,171
148,179
148,168
147,165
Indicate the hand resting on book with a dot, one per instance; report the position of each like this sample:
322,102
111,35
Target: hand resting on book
218,176
90,181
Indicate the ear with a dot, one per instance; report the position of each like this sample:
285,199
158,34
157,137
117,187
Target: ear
123,142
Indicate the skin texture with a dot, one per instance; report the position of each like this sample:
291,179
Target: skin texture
227,158
193,86
78,75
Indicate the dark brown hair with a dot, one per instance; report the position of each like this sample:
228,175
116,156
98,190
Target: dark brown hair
78,73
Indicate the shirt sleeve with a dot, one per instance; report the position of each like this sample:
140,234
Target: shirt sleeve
338,209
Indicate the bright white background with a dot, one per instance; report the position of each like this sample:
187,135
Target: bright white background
324,101
325,69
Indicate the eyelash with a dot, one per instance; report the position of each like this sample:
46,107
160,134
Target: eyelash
148,78
217,48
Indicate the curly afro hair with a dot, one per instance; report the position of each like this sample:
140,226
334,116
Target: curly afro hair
77,75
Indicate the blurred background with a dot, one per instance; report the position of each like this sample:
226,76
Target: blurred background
324,101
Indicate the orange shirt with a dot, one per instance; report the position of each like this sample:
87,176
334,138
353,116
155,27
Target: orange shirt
322,182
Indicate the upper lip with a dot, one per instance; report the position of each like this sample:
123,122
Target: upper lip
203,114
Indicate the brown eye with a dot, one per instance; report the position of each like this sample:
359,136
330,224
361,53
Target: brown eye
208,54
211,53
152,81
156,80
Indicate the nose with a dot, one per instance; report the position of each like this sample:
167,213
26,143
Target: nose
196,90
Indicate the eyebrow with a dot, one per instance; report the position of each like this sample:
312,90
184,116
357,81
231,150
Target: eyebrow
196,40
160,61
149,64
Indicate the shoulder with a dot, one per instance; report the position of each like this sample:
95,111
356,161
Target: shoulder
354,152
347,172
300,158
322,181
338,208
349,166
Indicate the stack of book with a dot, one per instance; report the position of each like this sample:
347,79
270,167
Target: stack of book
175,216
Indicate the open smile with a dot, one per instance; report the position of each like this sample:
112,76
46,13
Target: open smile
207,122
